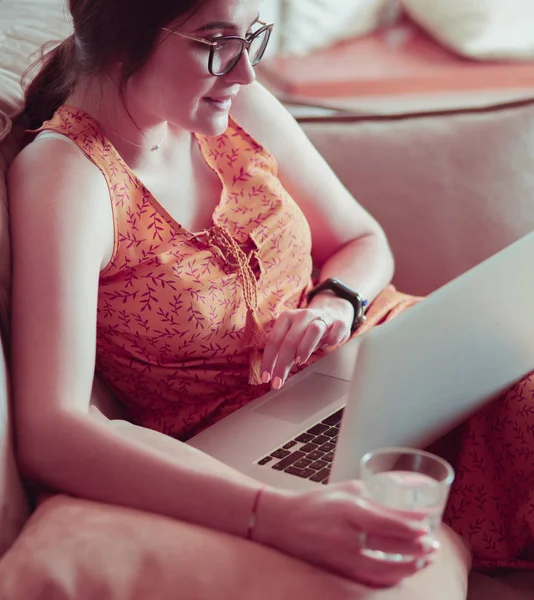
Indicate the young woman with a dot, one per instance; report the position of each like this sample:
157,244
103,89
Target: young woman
165,220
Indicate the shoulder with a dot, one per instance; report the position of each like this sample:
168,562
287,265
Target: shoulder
253,100
53,186
53,158
267,120
55,170
334,216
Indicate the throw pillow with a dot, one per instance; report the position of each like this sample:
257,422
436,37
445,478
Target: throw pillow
480,29
308,25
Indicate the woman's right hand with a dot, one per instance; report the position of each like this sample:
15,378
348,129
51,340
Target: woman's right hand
330,526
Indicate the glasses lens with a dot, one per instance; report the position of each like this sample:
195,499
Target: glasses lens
257,48
225,55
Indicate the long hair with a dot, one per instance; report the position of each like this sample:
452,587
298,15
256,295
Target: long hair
106,32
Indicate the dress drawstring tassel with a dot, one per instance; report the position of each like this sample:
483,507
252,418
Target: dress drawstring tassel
253,339
254,334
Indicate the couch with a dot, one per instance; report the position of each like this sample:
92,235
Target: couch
450,189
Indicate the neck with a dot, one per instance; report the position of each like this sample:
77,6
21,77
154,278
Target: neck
138,136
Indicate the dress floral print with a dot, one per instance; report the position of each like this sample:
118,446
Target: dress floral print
181,314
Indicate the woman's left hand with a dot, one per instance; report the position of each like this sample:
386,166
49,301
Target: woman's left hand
298,333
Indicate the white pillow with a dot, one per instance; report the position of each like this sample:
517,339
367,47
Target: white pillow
307,25
481,29
25,25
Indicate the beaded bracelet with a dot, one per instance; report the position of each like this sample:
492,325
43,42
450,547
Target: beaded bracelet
253,514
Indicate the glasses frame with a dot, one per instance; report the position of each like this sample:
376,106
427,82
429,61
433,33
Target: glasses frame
245,45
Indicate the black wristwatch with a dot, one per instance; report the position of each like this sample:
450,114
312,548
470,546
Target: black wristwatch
343,291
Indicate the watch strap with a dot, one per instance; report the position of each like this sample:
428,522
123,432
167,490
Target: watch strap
343,291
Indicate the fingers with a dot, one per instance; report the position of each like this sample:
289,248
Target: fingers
337,334
380,570
418,548
295,336
379,521
301,339
314,336
387,573
272,346
387,533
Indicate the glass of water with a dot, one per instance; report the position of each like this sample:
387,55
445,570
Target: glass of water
408,482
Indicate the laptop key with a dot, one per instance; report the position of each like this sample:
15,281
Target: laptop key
328,447
321,439
304,438
290,444
280,453
318,465
309,447
332,432
320,476
329,456
317,429
288,460
315,455
265,460
302,463
334,419
304,473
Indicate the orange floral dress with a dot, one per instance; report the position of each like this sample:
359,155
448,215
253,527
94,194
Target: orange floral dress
181,318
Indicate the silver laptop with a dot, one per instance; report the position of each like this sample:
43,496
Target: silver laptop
406,382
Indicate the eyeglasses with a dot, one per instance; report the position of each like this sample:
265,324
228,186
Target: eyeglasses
226,50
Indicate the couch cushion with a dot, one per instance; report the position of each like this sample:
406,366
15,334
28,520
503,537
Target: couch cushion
13,504
449,188
75,549
7,150
24,27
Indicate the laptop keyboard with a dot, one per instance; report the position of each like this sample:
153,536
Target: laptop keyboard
310,454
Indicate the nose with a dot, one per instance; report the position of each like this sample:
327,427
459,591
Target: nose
243,73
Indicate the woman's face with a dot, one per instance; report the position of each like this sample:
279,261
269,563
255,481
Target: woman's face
176,85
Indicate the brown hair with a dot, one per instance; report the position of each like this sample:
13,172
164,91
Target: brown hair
105,32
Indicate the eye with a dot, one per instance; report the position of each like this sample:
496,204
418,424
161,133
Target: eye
215,38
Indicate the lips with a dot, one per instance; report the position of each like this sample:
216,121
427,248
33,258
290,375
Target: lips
221,99
223,102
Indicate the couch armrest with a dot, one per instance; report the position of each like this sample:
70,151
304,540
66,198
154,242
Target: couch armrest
450,188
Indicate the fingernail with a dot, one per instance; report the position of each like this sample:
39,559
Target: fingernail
277,383
422,563
429,543
266,377
419,527
298,361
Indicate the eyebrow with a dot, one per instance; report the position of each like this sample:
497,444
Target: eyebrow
222,25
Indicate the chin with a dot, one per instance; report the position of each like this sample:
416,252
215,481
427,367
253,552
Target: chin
207,121
212,127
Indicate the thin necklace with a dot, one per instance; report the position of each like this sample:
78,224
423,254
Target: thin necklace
152,148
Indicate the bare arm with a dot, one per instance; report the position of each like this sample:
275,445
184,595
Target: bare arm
348,243
61,235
